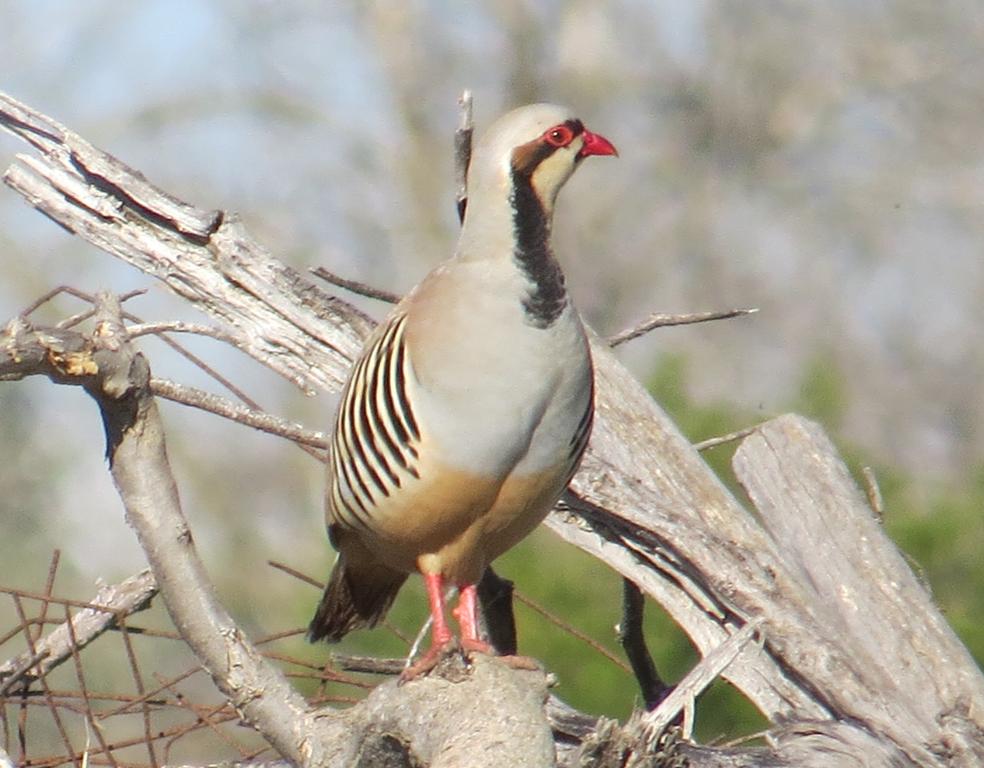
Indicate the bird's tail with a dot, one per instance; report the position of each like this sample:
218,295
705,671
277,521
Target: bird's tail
353,600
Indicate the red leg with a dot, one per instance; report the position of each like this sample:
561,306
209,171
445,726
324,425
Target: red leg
440,632
466,613
441,637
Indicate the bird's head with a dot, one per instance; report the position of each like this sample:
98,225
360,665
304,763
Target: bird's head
541,143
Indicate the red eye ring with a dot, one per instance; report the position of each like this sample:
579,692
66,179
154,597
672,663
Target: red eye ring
559,136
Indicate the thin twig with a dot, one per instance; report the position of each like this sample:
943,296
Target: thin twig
633,640
179,326
200,364
296,574
49,588
661,319
355,286
124,598
151,696
49,701
206,719
873,492
572,630
76,293
131,656
714,442
220,406
105,748
462,151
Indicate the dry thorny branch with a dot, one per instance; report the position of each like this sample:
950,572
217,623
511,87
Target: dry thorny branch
62,352
842,626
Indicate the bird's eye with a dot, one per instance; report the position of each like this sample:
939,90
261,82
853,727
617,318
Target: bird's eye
559,136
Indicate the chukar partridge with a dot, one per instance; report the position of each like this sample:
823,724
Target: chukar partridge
467,413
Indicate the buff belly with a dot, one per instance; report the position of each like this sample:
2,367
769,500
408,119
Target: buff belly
456,523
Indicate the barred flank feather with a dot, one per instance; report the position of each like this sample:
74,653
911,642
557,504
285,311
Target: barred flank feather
353,601
374,449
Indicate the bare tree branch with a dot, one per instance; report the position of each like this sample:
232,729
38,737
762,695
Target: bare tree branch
661,319
355,286
633,640
241,414
206,257
113,601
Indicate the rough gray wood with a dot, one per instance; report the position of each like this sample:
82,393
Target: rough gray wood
644,501
907,671
276,315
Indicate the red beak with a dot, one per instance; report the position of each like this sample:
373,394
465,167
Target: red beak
595,145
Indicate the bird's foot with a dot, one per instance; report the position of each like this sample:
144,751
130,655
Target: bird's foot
435,654
473,645
439,652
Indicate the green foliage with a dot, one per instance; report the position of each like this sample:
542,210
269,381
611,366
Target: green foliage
821,392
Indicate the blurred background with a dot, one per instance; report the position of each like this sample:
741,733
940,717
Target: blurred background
822,162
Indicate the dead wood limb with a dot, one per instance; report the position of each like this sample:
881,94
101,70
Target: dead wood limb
114,600
860,588
433,722
278,316
142,475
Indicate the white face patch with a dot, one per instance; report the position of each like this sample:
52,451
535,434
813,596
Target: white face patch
552,172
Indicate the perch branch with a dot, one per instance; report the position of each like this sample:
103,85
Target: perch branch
118,378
